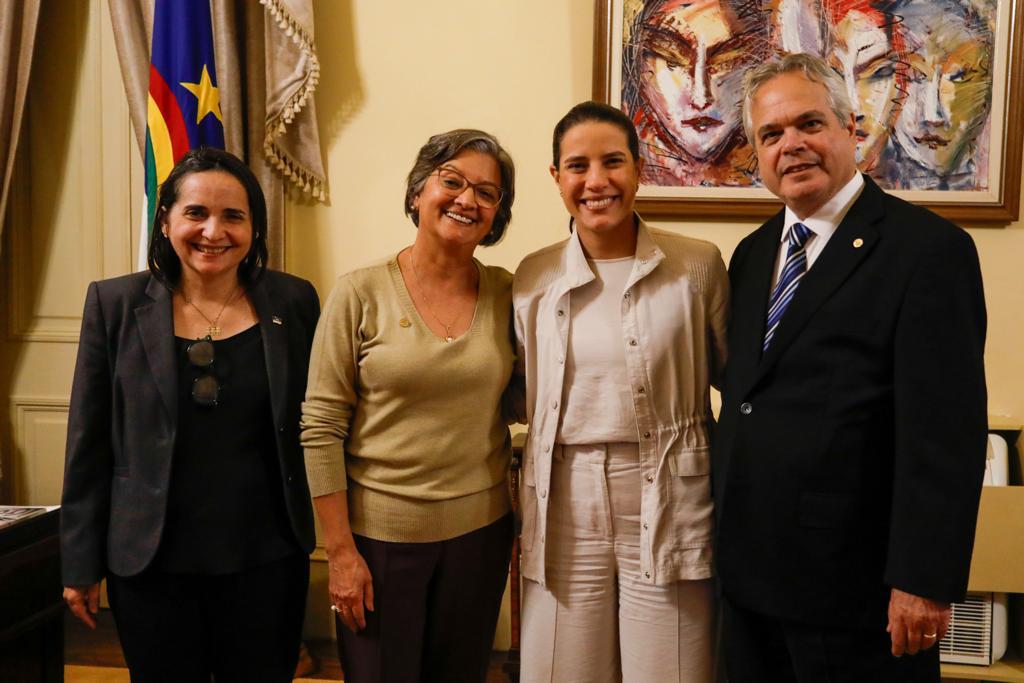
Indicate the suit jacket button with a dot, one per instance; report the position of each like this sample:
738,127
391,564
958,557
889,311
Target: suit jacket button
746,408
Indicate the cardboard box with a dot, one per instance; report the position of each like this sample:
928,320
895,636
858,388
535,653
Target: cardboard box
998,561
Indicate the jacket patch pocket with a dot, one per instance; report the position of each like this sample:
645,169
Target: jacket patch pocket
827,510
690,462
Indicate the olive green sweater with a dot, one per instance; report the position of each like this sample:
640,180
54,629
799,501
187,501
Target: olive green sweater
410,425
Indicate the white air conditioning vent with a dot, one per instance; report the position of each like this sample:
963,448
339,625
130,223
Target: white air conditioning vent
969,640
977,630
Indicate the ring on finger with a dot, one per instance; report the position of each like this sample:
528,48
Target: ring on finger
930,636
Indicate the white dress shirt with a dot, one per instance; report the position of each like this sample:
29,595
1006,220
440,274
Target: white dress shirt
822,223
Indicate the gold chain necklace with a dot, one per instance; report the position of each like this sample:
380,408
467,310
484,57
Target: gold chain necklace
448,338
213,329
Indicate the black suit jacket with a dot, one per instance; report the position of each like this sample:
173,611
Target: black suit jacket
848,457
123,418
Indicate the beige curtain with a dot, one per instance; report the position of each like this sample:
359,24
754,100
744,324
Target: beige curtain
18,20
267,71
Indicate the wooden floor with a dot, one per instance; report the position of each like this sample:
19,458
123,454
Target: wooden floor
95,656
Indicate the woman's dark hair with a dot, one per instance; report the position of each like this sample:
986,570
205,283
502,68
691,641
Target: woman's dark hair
164,263
594,111
445,147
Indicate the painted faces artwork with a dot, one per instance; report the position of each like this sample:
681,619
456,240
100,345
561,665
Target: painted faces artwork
865,46
797,27
948,98
688,59
917,72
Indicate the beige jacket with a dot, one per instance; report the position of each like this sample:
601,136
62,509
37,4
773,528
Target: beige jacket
674,313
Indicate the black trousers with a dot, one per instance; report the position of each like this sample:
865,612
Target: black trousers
436,607
763,649
183,628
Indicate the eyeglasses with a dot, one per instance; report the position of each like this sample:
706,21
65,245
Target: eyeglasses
488,195
206,387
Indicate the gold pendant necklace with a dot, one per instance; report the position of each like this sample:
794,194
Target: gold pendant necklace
448,337
214,328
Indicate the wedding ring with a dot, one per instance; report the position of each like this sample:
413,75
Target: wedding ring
930,635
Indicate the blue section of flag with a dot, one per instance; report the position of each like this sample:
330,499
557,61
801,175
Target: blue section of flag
182,46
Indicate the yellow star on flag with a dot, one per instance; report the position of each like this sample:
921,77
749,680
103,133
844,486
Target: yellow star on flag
207,94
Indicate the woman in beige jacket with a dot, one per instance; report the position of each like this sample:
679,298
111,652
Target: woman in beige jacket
621,331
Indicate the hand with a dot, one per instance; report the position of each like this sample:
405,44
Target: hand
84,602
350,586
912,619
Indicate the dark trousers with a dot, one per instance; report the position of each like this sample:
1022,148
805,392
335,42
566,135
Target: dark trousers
436,609
762,649
183,628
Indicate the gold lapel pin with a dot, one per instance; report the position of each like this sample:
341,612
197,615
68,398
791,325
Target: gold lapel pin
277,321
404,322
858,243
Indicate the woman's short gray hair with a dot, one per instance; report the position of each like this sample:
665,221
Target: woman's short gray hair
446,146
813,68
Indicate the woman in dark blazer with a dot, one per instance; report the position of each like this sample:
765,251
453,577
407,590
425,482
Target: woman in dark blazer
184,481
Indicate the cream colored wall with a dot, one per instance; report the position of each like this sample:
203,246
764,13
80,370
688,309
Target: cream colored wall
396,72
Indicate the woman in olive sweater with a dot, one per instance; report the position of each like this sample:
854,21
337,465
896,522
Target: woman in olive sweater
406,446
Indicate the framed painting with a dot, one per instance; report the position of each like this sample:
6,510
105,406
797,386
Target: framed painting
937,87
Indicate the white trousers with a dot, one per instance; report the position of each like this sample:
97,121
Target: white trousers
596,621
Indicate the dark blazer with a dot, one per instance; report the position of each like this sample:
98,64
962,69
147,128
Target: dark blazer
123,418
848,458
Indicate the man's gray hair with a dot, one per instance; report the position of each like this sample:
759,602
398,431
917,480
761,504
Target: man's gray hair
813,68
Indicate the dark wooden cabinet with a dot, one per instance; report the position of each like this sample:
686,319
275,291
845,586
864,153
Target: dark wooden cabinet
31,605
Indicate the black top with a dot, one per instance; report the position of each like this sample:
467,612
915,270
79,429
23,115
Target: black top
225,507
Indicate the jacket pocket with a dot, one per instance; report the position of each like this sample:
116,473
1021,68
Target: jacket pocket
690,462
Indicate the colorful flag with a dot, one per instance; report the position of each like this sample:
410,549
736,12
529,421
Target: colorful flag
183,111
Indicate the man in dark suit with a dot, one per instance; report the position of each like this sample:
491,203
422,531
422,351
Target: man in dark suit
851,442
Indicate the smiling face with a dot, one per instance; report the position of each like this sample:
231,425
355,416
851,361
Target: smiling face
598,177
863,54
692,66
209,226
947,103
804,153
457,217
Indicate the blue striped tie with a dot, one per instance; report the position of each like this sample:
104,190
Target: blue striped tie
785,288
